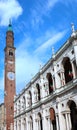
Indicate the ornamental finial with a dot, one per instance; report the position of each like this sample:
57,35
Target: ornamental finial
73,29
53,52
72,26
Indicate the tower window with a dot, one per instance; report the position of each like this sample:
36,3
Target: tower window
10,53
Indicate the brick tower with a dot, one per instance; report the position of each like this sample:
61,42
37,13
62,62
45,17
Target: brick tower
9,80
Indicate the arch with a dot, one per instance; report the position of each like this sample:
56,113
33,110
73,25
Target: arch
53,118
38,89
24,102
50,82
19,106
10,52
73,113
31,122
30,94
40,119
67,69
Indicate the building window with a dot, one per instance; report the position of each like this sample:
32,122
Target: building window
10,53
38,89
50,82
67,69
53,118
73,113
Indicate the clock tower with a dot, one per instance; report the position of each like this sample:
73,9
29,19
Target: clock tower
9,80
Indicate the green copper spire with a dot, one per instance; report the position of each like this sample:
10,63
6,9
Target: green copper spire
10,26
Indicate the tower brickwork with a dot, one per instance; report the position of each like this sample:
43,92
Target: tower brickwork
9,80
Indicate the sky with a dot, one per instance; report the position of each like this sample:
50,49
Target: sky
38,25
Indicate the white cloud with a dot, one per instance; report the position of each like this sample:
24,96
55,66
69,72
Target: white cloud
51,41
26,65
9,9
42,8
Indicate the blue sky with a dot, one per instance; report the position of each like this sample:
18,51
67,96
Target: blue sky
38,25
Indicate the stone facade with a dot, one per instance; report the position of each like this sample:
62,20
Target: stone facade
49,100
2,117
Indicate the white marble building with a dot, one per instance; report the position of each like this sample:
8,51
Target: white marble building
49,101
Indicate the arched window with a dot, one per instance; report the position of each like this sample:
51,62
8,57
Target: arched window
10,53
38,89
50,82
24,102
73,114
53,118
67,69
30,97
19,106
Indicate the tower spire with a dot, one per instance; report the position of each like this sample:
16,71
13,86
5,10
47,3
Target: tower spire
10,26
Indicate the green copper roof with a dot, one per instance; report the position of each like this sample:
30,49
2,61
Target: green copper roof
10,26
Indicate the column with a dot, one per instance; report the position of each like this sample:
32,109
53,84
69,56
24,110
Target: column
32,94
49,124
44,120
61,123
67,123
27,99
57,80
42,87
75,49
73,70
57,122
18,125
37,125
22,124
25,126
54,84
27,123
30,125
34,123
70,125
45,123
62,78
15,123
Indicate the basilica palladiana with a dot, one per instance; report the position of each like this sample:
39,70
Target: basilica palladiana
49,100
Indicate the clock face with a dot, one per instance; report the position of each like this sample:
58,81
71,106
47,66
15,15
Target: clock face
11,75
